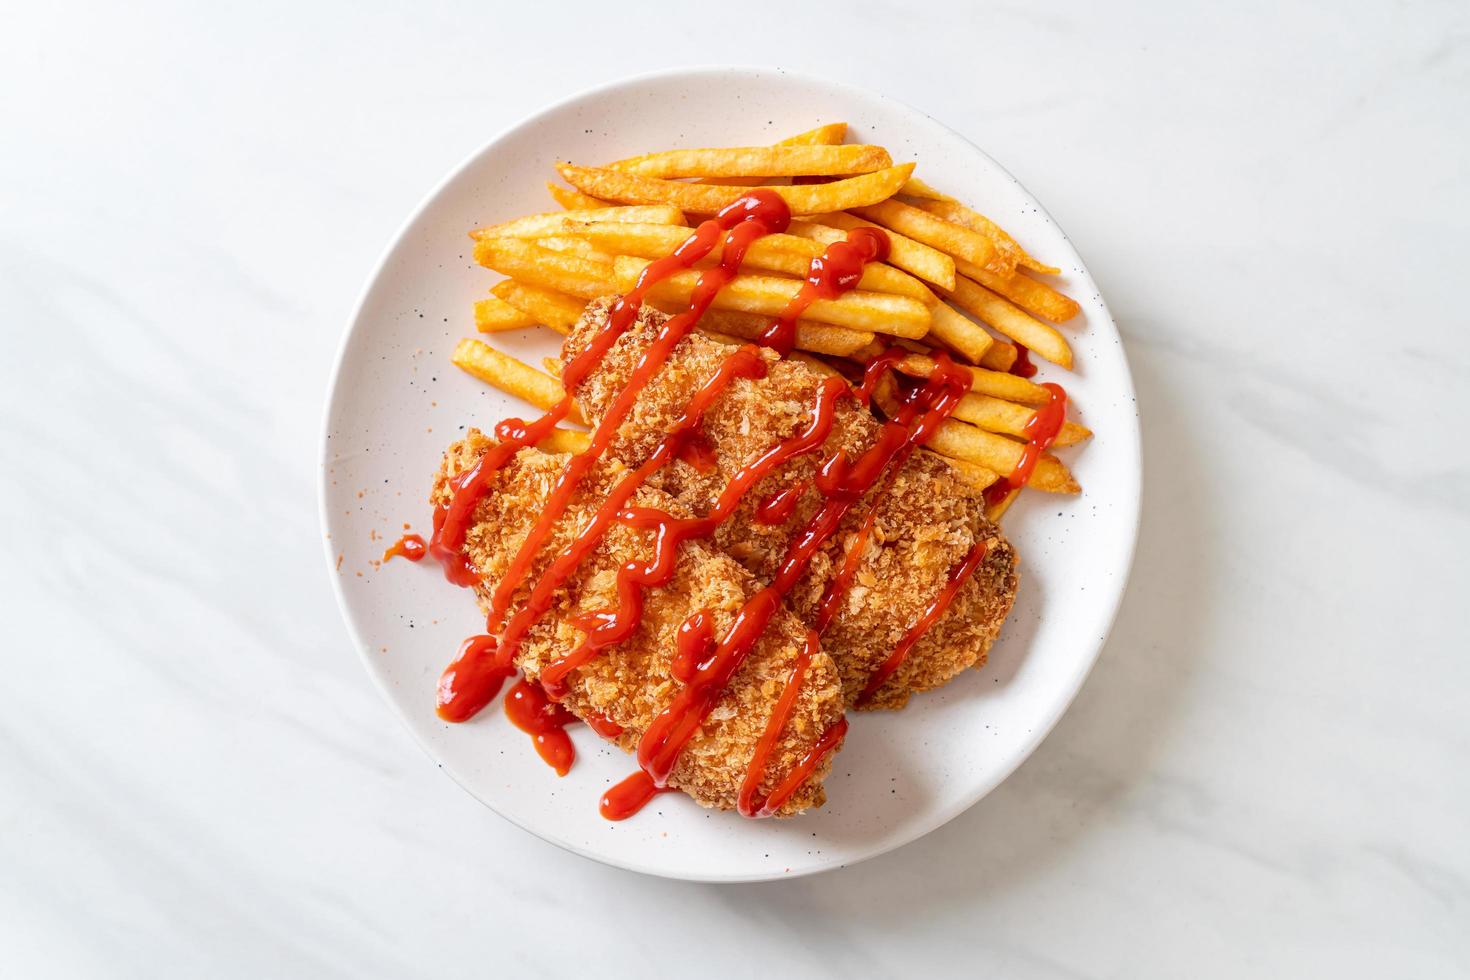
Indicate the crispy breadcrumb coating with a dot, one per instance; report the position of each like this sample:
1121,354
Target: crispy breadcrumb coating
631,682
927,518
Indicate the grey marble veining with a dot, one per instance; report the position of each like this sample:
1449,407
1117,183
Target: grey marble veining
1265,776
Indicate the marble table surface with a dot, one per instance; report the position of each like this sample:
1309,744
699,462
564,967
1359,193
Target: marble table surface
1268,773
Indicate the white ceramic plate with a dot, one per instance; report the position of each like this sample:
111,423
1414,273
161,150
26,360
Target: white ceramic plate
396,402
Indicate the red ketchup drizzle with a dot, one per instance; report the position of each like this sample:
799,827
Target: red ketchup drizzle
476,687
528,708
410,546
1022,366
836,271
603,725
630,796
779,506
698,453
777,721
1041,431
842,581
475,676
958,576
803,769
695,639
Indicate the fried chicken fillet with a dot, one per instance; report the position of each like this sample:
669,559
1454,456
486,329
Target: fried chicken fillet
631,682
928,517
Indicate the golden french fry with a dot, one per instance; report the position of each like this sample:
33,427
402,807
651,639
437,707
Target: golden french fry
901,316
571,441
961,440
816,364
557,222
1029,294
839,195
556,310
1000,357
1011,320
997,510
572,245
722,338
828,134
493,315
1008,418
775,253
537,266
510,375
551,366
997,384
904,253
820,338
921,226
573,199
759,161
952,210
995,452
918,188
957,332
973,472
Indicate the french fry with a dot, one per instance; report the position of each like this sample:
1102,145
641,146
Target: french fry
952,210
1008,418
921,226
572,199
571,441
957,332
918,188
901,316
817,364
819,338
997,453
723,338
828,134
537,266
572,245
839,195
1029,294
904,253
997,384
973,472
493,315
557,222
556,310
997,510
788,254
759,161
511,376
1011,320
1000,357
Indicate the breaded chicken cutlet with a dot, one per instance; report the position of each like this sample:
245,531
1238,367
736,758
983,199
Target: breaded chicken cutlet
926,519
631,682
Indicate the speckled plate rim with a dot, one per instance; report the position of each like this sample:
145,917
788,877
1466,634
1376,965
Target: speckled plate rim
1129,443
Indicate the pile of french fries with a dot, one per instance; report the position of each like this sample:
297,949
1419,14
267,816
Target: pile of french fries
954,281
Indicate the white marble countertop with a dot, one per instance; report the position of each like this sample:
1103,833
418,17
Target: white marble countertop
1267,774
